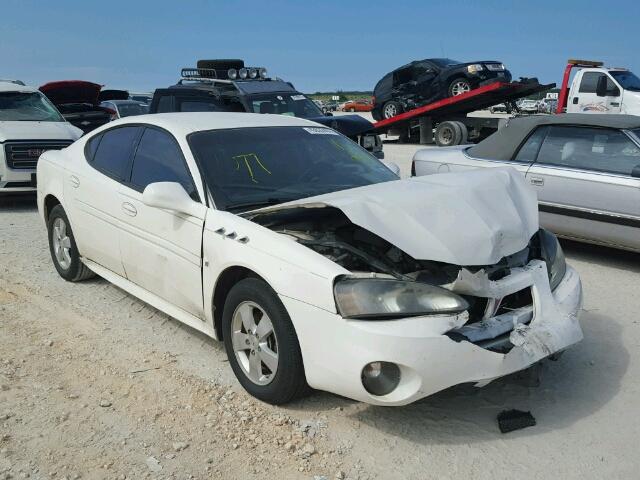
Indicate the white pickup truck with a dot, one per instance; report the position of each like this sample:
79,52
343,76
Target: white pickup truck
599,89
29,125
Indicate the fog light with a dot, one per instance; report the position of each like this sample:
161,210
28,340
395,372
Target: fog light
232,73
253,73
380,378
242,73
262,72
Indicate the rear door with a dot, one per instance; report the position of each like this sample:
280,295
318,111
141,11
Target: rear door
92,195
161,249
583,176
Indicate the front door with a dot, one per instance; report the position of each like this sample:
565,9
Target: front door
585,186
162,249
587,100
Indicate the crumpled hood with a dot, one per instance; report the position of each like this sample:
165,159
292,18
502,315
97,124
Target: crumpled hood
38,131
470,218
348,125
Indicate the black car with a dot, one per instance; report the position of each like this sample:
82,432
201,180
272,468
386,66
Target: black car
229,86
425,81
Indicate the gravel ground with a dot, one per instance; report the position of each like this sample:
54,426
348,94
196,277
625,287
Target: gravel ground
95,384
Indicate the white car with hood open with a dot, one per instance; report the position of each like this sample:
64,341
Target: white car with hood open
311,259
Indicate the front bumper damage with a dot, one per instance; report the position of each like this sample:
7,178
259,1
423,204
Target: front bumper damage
437,352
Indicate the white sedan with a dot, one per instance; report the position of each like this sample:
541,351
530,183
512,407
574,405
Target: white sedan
309,258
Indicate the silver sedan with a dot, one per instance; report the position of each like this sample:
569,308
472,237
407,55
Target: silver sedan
585,169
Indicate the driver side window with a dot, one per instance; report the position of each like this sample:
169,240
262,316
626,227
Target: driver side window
159,159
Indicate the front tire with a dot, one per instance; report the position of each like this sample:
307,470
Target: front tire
458,86
391,109
63,248
261,343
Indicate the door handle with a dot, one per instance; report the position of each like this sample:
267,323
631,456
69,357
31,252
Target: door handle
74,181
129,209
575,100
538,181
615,104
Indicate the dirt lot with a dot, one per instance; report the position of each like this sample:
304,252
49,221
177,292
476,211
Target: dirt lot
95,384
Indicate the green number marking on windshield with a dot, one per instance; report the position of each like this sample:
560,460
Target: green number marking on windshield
244,158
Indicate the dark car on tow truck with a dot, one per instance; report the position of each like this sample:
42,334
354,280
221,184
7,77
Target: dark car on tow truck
431,79
229,86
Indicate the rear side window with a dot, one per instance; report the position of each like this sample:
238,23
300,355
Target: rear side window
159,159
91,147
114,151
596,149
529,150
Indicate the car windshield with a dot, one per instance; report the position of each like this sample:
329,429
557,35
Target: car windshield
627,80
249,168
445,62
292,104
131,109
27,107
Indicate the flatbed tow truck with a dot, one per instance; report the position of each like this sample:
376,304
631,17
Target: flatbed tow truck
449,116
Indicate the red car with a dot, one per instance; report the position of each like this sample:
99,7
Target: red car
363,105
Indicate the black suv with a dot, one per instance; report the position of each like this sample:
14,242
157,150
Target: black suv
229,86
425,81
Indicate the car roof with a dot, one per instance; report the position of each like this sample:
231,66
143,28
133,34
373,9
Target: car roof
15,87
184,123
502,144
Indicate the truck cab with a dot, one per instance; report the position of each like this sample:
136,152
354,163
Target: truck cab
599,89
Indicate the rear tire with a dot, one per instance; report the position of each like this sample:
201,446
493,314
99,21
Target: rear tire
63,248
277,381
448,134
464,133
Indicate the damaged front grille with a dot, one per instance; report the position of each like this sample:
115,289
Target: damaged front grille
491,320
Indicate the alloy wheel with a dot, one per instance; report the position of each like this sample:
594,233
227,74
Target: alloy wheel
61,243
390,110
254,343
460,87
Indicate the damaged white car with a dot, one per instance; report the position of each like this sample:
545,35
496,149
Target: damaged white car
314,263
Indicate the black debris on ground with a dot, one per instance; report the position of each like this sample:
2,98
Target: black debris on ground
510,420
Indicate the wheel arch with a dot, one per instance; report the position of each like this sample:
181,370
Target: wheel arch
50,201
225,282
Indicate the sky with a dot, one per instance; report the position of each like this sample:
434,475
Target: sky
318,45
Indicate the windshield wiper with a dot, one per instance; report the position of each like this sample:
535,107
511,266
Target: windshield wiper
258,204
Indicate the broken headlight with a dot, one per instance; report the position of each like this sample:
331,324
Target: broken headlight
552,254
381,298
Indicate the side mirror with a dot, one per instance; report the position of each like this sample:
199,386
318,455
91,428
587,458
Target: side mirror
393,166
171,196
635,173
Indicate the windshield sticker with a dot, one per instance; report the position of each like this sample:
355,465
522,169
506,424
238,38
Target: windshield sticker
298,97
248,158
320,131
